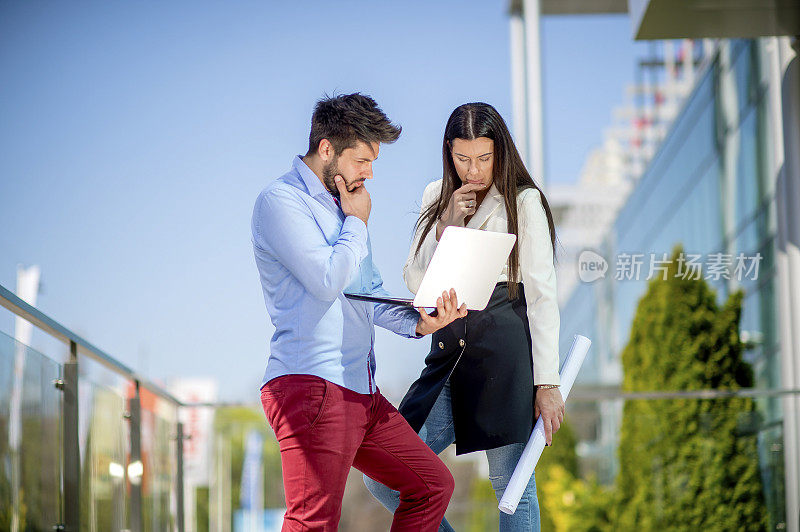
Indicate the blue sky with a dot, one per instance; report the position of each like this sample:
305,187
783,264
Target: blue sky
135,137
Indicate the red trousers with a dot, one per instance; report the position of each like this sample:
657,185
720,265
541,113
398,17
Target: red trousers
323,429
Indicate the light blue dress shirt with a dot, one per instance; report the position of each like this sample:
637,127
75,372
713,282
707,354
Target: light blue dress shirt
308,253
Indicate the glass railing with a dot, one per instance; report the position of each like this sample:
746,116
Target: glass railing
686,460
30,454
86,444
690,460
104,436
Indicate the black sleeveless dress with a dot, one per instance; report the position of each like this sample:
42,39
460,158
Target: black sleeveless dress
487,357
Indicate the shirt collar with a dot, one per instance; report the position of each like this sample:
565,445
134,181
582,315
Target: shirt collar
312,182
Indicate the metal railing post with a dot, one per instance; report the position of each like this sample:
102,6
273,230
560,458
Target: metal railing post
179,479
135,419
70,444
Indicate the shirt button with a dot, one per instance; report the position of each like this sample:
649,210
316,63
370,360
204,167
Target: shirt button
462,343
441,345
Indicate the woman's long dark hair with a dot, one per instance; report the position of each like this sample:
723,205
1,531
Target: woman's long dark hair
471,121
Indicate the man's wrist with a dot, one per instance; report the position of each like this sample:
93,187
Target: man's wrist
359,217
547,386
356,217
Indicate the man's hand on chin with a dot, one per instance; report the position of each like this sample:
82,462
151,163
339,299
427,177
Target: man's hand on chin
356,203
447,310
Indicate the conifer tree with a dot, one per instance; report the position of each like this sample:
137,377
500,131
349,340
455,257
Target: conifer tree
687,464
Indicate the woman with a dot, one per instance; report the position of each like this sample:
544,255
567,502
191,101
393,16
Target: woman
489,375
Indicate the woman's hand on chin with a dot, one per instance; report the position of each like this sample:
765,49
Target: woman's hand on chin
462,203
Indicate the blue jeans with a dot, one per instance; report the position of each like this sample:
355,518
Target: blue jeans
438,433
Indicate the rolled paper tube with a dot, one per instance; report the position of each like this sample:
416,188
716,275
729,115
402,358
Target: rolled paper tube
535,446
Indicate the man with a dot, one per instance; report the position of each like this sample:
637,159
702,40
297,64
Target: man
319,394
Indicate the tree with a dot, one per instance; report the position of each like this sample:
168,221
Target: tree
687,464
567,502
483,506
561,453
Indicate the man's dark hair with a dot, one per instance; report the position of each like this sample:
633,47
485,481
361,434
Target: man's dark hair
349,118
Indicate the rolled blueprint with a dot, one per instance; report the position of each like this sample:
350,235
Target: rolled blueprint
535,446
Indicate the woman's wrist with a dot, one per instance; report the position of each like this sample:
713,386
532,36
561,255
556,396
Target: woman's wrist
441,225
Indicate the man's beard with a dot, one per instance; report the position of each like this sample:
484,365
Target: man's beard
331,170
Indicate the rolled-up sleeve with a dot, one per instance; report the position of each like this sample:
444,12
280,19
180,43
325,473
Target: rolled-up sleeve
284,225
539,279
417,263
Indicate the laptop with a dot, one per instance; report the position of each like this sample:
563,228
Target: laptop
468,260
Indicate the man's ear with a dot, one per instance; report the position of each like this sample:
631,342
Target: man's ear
325,150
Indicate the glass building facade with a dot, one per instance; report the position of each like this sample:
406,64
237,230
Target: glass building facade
711,189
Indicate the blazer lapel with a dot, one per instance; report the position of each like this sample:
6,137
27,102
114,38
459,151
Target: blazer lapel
489,205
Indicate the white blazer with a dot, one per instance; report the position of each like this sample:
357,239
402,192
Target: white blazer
537,272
